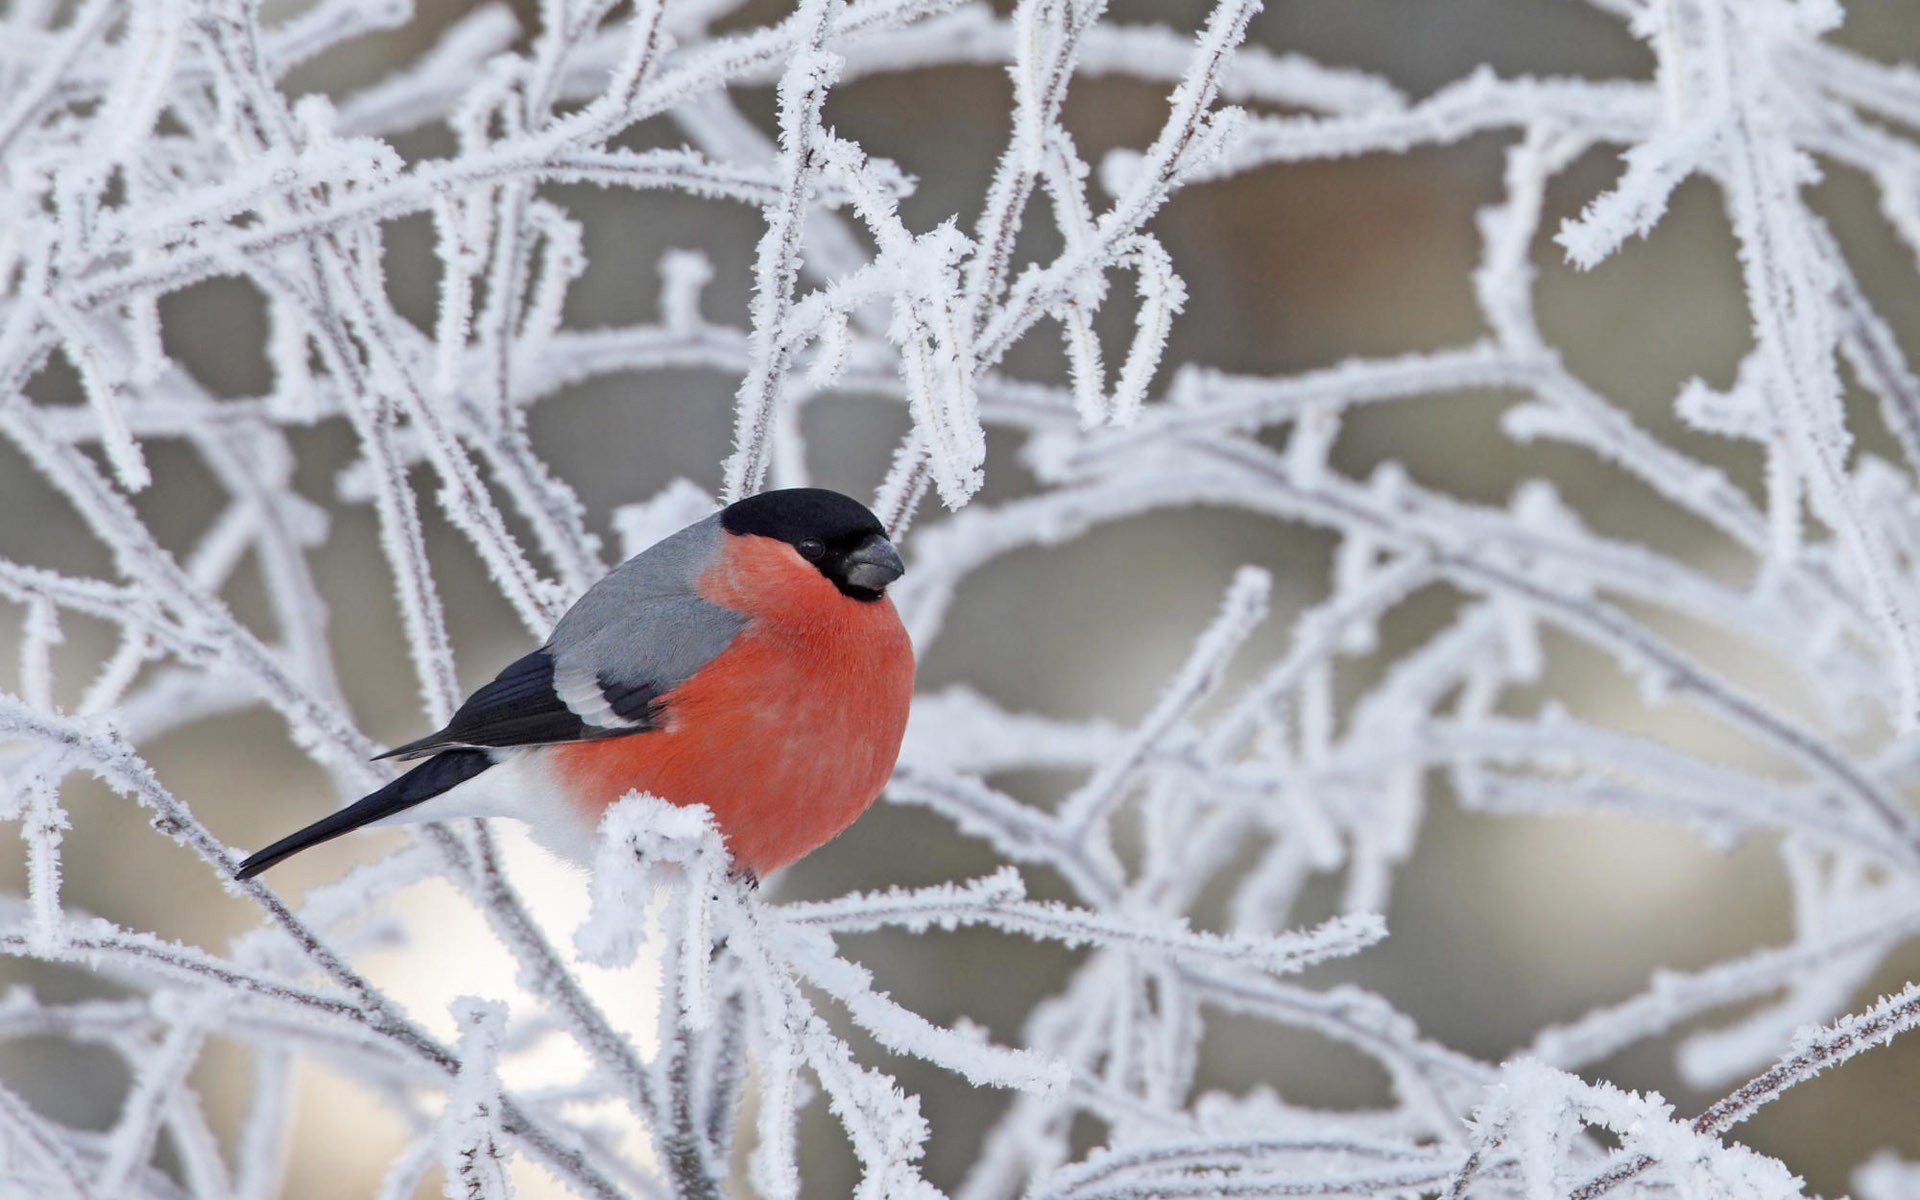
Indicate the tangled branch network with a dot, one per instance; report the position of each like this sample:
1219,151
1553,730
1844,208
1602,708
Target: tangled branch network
149,146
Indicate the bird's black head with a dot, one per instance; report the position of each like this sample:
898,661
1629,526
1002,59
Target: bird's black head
835,533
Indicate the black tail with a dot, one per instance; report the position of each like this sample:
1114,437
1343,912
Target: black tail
424,782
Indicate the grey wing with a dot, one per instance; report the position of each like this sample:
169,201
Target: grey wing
634,637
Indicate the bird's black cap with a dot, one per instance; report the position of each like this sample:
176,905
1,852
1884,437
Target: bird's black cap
796,514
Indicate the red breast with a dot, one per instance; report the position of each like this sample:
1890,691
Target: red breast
789,733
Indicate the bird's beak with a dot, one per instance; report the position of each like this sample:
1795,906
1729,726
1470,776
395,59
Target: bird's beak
873,565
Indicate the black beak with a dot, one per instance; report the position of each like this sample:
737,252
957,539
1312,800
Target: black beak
873,565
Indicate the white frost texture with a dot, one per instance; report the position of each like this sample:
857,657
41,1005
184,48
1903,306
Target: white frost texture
1249,827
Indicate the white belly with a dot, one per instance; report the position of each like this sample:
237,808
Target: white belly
519,786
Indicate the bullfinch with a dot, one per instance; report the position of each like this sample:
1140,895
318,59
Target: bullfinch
751,662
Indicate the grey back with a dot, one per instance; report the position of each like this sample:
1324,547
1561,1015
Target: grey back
645,623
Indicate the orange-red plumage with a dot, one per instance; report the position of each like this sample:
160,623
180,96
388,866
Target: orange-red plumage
789,733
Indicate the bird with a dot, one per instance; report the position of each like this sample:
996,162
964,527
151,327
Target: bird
751,662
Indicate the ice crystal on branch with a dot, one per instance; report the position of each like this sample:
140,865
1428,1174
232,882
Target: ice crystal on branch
149,147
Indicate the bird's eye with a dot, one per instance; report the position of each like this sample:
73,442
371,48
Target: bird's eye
811,549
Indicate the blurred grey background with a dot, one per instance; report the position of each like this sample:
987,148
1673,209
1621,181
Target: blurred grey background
1498,925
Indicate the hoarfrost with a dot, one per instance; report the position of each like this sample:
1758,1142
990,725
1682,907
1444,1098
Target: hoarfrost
145,148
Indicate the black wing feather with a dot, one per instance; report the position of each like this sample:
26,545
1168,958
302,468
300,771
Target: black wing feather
518,708
638,702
